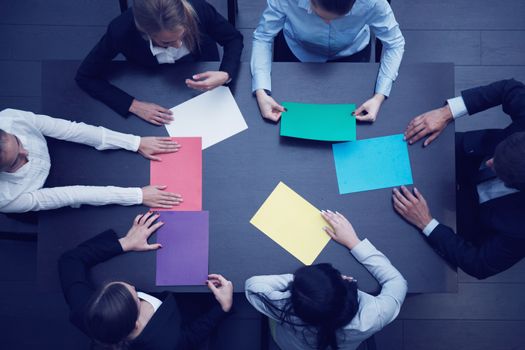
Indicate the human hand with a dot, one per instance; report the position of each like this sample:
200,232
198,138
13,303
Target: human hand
151,112
341,229
412,207
137,237
149,146
368,111
207,80
222,289
269,108
156,197
430,123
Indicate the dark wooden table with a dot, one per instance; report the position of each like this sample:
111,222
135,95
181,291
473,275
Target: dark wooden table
240,172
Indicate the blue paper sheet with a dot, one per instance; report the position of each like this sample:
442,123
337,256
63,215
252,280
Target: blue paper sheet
372,163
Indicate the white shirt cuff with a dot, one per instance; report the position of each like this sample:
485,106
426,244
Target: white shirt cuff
115,139
457,107
430,227
383,85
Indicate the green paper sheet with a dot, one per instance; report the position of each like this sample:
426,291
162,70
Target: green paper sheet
323,122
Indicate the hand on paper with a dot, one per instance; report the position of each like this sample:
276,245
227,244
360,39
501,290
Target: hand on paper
156,197
368,111
412,207
151,112
269,108
137,237
340,229
149,146
222,289
207,80
430,123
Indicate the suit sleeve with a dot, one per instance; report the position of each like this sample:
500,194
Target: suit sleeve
494,255
508,93
74,266
91,76
226,35
201,329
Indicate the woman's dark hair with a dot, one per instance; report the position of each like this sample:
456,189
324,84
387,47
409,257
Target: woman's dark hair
322,300
111,315
339,7
509,161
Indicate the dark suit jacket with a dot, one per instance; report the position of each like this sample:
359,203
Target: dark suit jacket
501,220
123,37
164,330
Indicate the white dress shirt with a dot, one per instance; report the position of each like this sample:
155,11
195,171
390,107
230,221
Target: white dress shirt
168,54
374,312
22,190
154,302
312,40
487,190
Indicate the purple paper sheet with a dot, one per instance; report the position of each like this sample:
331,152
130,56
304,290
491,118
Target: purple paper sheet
183,258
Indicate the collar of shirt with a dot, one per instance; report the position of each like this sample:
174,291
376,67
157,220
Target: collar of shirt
493,189
155,50
169,54
154,302
307,5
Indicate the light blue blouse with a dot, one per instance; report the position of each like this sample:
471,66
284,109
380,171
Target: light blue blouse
313,40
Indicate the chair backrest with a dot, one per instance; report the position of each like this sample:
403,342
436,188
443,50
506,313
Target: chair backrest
123,5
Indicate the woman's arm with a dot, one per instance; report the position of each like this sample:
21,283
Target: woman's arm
91,75
272,287
74,266
393,285
385,27
271,23
226,35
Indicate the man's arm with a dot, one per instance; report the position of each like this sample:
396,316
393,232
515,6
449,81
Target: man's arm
508,93
494,255
98,137
57,197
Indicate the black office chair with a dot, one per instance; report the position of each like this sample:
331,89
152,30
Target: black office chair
233,9
123,5
379,47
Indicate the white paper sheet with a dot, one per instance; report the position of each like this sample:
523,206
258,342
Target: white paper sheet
213,115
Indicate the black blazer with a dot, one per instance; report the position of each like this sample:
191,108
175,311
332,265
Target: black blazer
123,37
501,220
164,330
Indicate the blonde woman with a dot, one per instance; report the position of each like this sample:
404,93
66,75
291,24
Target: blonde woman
154,32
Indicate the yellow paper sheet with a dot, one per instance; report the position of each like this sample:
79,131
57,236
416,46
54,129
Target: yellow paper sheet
293,223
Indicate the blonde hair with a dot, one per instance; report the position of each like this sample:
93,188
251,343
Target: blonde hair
154,16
